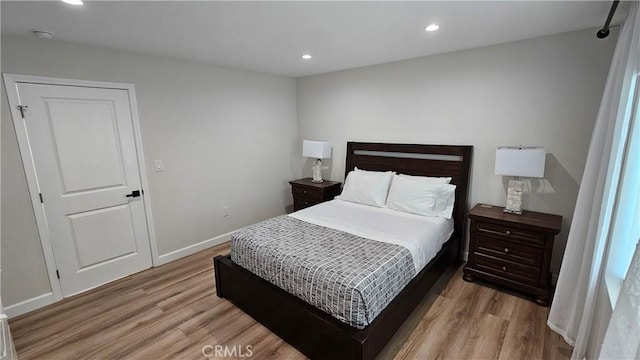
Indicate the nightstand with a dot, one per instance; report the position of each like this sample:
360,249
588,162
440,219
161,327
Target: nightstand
307,193
512,250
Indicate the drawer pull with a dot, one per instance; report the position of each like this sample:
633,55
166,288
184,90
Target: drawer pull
506,250
304,191
504,268
496,232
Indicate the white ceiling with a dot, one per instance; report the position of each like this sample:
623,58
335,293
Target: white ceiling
271,36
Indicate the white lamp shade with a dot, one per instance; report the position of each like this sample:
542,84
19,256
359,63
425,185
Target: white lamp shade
527,161
316,149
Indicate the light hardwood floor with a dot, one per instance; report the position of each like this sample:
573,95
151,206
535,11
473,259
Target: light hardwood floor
172,312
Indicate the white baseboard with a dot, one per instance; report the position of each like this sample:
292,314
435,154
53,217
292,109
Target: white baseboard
46,299
25,306
192,249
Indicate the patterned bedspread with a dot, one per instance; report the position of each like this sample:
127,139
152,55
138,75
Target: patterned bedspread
349,277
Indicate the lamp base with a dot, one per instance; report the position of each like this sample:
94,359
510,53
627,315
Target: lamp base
512,212
317,171
514,197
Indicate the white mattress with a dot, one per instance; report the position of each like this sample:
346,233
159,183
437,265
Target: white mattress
423,236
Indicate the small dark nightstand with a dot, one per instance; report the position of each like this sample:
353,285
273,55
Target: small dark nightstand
307,193
512,250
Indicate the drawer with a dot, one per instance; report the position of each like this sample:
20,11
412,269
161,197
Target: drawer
507,269
302,202
307,192
510,233
509,250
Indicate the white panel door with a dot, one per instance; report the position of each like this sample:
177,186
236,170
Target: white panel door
85,159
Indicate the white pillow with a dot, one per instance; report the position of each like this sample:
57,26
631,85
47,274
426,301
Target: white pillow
367,187
416,195
438,180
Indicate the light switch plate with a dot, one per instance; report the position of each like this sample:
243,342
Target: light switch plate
159,166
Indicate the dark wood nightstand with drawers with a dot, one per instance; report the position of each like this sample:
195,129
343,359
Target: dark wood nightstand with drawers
512,250
307,193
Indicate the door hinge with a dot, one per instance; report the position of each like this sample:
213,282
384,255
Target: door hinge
58,273
41,200
23,109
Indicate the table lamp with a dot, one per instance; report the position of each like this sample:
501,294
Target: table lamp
317,150
526,161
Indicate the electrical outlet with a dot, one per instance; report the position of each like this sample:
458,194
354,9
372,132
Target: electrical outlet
225,211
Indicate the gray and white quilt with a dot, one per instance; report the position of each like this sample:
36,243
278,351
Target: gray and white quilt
350,277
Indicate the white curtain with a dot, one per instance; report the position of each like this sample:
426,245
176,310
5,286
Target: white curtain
622,340
573,306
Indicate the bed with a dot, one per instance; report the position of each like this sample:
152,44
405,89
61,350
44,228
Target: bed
318,332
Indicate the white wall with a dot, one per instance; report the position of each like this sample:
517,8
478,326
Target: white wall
218,129
543,91
227,137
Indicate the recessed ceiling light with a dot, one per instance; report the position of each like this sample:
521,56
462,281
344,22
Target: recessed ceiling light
73,2
306,56
432,27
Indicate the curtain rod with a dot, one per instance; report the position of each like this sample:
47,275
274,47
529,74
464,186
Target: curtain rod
604,32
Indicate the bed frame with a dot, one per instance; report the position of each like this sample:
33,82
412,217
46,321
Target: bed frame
317,334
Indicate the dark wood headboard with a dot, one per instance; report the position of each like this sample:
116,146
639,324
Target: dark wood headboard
420,160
